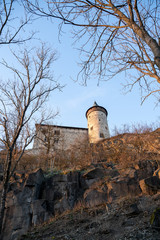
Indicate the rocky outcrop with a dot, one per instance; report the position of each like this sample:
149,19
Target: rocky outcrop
34,198
129,218
23,206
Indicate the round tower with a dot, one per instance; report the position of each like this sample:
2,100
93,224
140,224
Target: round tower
97,123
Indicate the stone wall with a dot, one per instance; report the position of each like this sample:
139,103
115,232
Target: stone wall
52,137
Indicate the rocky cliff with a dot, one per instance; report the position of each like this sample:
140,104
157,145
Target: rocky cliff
103,186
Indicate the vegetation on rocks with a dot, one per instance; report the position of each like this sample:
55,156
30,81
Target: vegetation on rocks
111,195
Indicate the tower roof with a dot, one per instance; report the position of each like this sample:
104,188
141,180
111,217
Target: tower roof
95,104
96,107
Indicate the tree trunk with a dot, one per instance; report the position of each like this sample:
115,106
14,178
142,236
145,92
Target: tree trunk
152,43
2,209
4,192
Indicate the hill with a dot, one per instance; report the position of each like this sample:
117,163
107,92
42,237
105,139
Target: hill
113,194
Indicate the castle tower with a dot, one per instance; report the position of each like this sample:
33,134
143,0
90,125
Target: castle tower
97,123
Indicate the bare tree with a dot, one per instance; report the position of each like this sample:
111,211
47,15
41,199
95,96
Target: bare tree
13,20
22,102
117,35
46,142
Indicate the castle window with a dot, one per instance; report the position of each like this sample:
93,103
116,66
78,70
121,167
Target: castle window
56,140
57,132
91,128
101,135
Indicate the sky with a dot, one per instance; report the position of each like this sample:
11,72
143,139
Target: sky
75,98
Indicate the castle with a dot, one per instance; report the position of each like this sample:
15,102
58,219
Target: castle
54,137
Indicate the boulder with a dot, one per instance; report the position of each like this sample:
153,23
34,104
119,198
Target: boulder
95,173
145,168
155,219
123,186
153,182
133,210
94,197
35,180
144,188
150,185
157,173
98,174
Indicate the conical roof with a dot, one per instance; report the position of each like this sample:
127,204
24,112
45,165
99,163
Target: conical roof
96,107
95,104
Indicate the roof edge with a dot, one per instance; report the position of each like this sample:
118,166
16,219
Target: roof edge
97,108
59,126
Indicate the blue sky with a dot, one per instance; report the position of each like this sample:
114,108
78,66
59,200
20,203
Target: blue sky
75,99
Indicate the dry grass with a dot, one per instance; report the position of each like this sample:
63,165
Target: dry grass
125,149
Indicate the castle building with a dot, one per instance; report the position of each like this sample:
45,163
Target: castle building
54,137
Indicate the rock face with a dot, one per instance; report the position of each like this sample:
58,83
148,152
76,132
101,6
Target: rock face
34,199
124,219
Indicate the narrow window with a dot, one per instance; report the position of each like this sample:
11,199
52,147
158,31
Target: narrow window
101,135
56,140
91,128
57,132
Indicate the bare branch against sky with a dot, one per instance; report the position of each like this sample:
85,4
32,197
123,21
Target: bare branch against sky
115,36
